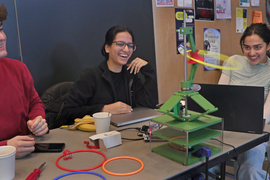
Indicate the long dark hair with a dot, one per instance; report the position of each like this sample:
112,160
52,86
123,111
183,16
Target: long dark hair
110,36
259,29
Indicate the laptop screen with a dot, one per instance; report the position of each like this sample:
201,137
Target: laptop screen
240,106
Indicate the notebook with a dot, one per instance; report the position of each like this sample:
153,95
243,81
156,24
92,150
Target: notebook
240,106
139,114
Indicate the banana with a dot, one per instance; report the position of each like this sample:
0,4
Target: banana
86,127
86,118
87,123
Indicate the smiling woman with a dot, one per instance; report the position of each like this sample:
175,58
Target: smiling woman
113,86
255,49
118,52
255,42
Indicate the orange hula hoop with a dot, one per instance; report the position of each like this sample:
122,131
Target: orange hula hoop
122,174
177,137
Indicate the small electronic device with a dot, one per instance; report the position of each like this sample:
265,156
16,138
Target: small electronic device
148,138
49,147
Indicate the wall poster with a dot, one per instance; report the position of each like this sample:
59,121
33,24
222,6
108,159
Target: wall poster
268,12
211,43
241,20
223,9
204,10
165,3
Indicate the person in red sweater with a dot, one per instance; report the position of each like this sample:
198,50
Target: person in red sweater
21,110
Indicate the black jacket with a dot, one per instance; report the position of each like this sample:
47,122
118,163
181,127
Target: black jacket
53,99
95,88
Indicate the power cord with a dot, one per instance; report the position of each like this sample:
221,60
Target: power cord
140,132
267,171
267,157
235,152
265,132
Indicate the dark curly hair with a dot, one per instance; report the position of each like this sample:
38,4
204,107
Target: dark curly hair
3,13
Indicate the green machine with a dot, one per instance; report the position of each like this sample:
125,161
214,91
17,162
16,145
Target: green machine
186,131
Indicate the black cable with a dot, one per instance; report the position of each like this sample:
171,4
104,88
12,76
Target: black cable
206,167
136,128
267,169
129,128
235,152
133,139
267,159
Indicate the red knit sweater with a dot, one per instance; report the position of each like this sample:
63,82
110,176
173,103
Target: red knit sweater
19,100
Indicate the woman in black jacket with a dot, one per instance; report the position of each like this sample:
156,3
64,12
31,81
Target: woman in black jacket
113,86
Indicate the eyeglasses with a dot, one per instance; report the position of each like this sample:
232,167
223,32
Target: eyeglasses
122,45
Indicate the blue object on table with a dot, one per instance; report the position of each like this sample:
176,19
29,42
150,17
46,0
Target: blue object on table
204,151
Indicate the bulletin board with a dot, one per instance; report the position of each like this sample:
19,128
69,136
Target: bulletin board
170,65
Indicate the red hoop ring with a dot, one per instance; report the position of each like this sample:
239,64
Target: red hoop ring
122,174
86,150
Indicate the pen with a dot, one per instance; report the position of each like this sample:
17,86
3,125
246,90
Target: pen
35,173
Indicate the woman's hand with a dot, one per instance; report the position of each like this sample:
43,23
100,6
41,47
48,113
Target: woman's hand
24,145
38,126
136,65
117,108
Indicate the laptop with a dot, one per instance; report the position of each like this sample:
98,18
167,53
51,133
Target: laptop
139,114
240,106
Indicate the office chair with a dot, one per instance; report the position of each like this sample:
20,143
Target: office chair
53,99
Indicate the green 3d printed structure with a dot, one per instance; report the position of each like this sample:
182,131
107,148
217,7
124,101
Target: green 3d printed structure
191,127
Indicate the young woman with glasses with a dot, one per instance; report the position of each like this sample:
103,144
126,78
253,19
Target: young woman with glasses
113,86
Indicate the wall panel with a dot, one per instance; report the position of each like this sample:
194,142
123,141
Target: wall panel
60,38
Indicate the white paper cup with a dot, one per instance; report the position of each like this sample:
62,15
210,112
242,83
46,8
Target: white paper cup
102,122
7,162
